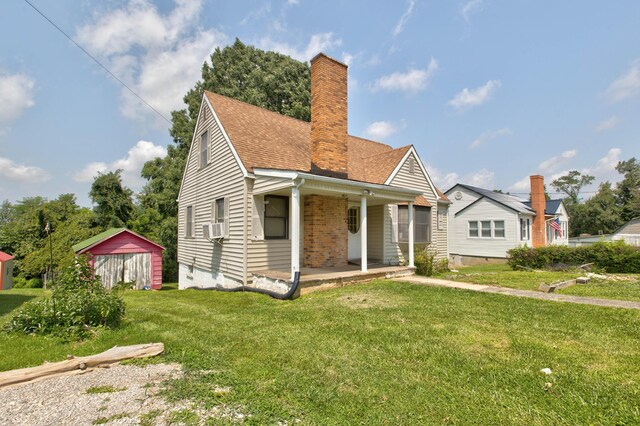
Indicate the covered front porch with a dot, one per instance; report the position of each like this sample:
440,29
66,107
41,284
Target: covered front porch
312,279
330,222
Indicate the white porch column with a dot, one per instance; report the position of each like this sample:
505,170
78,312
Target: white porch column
363,234
295,231
410,209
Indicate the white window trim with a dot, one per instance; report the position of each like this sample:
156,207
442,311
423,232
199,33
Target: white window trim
493,229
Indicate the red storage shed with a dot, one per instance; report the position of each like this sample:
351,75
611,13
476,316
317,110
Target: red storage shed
6,271
119,254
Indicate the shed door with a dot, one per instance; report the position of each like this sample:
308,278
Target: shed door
114,268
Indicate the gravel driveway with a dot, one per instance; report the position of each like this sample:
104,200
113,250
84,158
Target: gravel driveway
120,395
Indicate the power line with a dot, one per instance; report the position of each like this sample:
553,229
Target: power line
97,61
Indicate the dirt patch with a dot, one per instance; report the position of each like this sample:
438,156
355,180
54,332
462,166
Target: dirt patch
133,398
366,300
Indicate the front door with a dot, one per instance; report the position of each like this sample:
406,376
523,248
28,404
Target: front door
353,221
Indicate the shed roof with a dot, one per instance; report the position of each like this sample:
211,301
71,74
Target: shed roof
631,227
5,256
109,233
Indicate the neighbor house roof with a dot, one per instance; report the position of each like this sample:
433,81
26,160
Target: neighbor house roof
4,256
631,227
510,201
285,142
97,239
550,208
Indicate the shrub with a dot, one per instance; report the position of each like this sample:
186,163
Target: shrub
426,263
608,256
21,282
78,303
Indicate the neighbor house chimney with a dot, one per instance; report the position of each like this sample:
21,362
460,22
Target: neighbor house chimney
329,155
538,204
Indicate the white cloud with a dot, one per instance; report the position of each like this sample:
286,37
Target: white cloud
404,18
16,95
380,130
489,135
293,1
482,178
468,98
606,164
347,58
552,164
158,56
625,86
318,43
20,173
607,124
131,165
470,8
412,81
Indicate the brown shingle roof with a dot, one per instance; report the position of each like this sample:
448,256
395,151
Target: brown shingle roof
266,139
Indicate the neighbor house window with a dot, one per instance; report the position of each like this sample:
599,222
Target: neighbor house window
204,149
353,219
524,229
276,217
473,229
218,211
486,229
421,220
442,219
189,222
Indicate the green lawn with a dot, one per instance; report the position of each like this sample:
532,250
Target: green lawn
504,276
379,353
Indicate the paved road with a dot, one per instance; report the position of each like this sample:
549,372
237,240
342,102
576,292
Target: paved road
611,303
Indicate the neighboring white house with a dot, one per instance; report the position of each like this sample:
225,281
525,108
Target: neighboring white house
629,233
266,192
484,224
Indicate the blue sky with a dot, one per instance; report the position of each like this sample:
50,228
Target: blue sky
488,91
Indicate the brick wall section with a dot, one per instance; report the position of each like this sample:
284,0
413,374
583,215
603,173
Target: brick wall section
538,204
325,232
329,154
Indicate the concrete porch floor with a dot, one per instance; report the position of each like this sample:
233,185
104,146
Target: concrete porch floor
312,279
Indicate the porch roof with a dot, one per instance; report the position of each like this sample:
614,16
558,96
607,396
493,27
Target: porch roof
308,182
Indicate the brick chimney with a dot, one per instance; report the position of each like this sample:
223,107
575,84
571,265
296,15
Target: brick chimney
329,154
538,204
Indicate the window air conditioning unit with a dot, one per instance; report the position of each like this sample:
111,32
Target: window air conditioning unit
213,231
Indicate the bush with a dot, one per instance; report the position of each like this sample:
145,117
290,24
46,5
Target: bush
78,303
21,282
608,256
426,263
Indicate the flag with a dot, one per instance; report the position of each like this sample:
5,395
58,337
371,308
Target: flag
555,224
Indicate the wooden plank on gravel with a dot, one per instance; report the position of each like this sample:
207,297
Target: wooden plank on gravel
72,365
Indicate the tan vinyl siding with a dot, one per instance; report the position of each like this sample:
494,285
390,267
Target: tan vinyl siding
263,185
416,180
375,232
265,254
220,178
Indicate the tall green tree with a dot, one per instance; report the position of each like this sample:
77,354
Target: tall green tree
600,214
113,201
628,189
266,79
571,184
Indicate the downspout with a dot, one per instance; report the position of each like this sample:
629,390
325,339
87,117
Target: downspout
245,230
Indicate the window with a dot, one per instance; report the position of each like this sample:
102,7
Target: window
276,217
473,229
524,229
442,219
189,222
218,211
486,229
204,149
421,219
353,219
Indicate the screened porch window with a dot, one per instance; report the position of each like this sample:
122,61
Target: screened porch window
276,217
421,220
